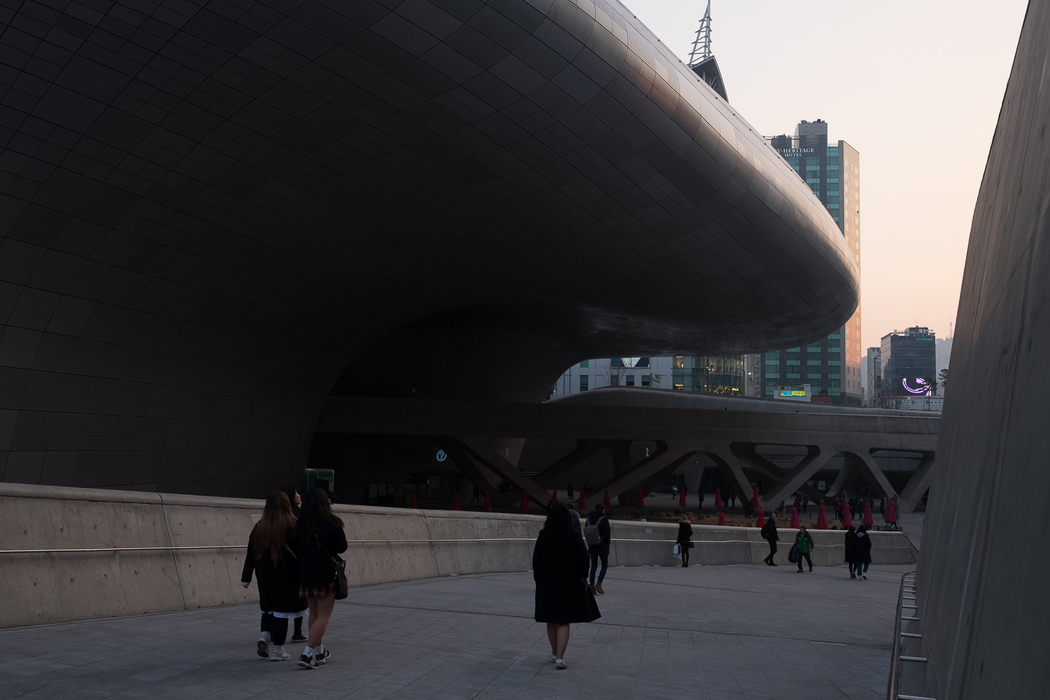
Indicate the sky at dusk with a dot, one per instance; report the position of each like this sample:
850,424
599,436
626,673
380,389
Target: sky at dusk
914,86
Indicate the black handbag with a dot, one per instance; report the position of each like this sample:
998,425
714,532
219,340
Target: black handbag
794,554
342,588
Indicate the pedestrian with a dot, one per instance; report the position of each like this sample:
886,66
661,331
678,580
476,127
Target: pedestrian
769,534
568,488
685,539
850,546
293,496
596,533
732,498
782,510
277,575
319,537
805,504
674,490
838,509
862,552
475,494
805,545
559,568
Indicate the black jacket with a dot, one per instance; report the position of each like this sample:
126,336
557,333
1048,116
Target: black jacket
851,547
863,548
315,565
559,567
769,531
685,533
603,530
278,584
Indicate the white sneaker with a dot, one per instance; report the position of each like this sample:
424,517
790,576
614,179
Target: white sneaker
279,654
560,664
554,659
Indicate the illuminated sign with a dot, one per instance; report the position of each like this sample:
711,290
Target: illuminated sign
923,387
792,392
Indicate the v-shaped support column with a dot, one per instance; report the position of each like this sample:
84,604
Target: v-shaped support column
478,449
663,462
810,465
872,473
917,484
842,479
771,471
734,473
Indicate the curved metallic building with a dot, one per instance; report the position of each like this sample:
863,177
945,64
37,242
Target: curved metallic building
214,217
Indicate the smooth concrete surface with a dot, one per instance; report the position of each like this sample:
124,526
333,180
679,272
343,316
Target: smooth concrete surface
982,578
740,632
387,544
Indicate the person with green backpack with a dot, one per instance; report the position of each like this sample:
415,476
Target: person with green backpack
596,534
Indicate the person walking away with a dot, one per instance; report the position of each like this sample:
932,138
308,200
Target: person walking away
296,500
575,519
277,575
850,547
319,537
862,552
684,541
559,568
782,510
769,534
596,532
805,546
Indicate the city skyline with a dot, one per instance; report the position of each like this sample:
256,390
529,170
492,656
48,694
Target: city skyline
923,112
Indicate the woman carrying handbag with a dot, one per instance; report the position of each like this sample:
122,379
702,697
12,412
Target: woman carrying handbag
319,537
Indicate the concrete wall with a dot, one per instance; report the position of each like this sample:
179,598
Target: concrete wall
387,544
982,577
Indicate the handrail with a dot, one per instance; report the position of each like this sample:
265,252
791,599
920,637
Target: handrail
87,550
892,687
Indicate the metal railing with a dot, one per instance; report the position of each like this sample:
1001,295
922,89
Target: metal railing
893,687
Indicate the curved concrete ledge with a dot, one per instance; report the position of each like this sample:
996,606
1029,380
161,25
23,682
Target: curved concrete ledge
387,544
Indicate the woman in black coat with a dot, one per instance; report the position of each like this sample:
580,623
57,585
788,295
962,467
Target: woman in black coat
277,573
684,541
319,537
559,567
851,549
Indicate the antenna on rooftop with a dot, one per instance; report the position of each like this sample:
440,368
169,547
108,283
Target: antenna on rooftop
702,44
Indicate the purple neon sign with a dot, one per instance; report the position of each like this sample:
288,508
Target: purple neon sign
924,388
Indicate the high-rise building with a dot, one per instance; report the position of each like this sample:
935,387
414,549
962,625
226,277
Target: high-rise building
909,364
831,365
874,397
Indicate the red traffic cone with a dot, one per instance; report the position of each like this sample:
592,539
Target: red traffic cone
794,518
641,499
455,501
554,496
761,520
721,517
487,505
754,499
868,520
412,501
681,499
524,502
822,518
583,501
607,502
718,498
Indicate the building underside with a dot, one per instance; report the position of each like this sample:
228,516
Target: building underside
213,219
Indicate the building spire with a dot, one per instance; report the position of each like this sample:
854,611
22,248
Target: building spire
702,44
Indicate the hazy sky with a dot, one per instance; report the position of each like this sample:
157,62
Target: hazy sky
914,86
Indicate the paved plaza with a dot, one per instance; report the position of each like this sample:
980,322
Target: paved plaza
733,632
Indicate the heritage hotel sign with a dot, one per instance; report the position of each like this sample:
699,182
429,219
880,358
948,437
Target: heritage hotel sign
789,152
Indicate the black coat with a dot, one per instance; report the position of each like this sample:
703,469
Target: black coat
278,584
863,548
769,531
685,533
559,567
315,565
603,530
851,547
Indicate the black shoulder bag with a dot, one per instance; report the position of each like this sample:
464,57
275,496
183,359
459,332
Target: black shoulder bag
342,588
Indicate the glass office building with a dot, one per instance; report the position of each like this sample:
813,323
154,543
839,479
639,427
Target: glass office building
909,365
831,366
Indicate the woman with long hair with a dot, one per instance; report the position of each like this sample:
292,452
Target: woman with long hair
319,538
277,574
559,567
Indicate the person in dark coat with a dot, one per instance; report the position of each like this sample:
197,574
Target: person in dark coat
293,496
319,537
277,575
684,541
862,552
769,534
600,550
850,546
559,567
